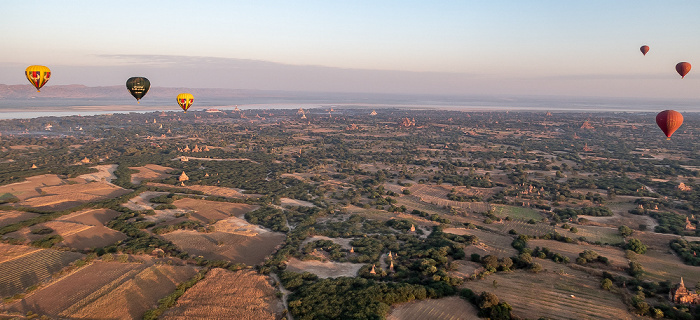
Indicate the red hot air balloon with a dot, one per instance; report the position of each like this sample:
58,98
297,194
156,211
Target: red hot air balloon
669,121
683,68
644,50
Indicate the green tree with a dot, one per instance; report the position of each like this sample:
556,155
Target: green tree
606,284
636,246
625,231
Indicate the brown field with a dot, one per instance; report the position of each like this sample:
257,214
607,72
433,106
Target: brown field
224,294
94,237
522,227
324,269
134,297
61,228
450,308
80,230
437,195
141,201
28,268
93,217
71,289
105,173
66,196
226,246
295,203
343,242
10,217
564,294
236,225
489,242
206,211
30,188
605,235
661,263
150,171
9,252
465,269
615,255
105,290
210,190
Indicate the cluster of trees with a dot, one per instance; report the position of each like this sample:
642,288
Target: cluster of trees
350,298
591,256
573,213
688,251
488,304
269,217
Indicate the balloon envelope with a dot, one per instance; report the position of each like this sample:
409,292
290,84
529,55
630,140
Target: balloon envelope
644,50
683,68
138,87
38,76
669,121
185,101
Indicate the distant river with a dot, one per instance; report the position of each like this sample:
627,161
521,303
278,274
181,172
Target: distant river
41,107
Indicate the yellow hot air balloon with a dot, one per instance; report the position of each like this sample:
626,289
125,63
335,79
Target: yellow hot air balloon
185,101
38,76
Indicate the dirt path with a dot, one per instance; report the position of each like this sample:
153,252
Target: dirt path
285,294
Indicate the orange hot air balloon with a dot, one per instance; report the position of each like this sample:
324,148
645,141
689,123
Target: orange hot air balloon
669,121
644,50
38,76
185,101
683,68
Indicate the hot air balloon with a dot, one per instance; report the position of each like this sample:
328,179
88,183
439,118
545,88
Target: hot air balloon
644,50
185,101
38,76
683,68
138,87
669,121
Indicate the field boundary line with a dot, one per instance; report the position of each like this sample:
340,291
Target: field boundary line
116,283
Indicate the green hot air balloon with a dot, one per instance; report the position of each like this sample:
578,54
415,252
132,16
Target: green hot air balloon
138,86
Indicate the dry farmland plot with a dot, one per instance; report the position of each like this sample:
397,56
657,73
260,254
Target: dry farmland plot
92,217
105,173
223,294
62,228
206,211
615,255
10,217
522,227
92,280
97,235
150,171
226,246
30,188
594,234
238,226
450,308
660,265
295,203
141,201
324,269
66,196
134,297
210,190
489,242
31,268
94,237
343,242
572,294
503,211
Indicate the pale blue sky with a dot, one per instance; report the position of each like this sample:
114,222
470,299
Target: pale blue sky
555,47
